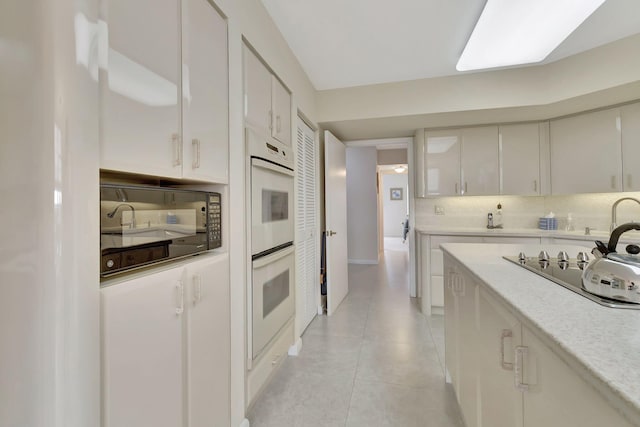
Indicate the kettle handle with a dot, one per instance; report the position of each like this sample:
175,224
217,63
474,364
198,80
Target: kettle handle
615,234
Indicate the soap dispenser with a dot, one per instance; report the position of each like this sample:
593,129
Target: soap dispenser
497,218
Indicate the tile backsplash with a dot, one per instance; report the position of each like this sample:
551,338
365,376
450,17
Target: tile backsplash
588,210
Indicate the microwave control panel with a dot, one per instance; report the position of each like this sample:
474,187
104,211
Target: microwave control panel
214,226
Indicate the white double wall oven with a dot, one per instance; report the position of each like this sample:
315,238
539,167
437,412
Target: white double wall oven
271,178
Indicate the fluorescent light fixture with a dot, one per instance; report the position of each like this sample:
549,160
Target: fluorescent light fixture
512,32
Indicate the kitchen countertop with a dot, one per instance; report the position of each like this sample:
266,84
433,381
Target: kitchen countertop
524,232
601,343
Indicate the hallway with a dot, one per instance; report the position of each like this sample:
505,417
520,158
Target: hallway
375,362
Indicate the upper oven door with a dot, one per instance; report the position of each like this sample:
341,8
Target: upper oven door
271,206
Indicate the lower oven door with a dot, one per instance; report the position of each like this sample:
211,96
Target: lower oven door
271,205
273,299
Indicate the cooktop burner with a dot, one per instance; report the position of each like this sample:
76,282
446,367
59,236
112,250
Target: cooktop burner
566,272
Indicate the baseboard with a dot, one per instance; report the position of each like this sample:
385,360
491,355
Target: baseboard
294,350
363,261
244,423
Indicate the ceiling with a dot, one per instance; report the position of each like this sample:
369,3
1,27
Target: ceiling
344,43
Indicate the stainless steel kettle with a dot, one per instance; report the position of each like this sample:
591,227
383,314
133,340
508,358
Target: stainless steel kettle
613,275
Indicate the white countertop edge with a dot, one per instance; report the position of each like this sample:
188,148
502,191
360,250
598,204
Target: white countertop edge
580,329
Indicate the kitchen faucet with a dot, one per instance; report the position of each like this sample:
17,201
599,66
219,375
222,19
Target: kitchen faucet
132,224
614,213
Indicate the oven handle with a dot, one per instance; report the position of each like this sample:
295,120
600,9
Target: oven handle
266,260
271,166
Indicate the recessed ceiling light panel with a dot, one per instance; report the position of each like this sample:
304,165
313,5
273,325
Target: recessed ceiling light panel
513,32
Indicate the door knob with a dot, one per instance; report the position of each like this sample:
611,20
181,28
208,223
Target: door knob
331,233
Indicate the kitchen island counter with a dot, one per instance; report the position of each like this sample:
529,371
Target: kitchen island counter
602,344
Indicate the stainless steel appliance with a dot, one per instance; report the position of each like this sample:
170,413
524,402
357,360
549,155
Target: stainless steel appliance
271,178
142,225
573,273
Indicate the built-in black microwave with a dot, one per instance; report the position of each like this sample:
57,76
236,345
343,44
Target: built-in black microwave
143,225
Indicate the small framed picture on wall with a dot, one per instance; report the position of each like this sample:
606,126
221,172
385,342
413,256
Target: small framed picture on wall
395,193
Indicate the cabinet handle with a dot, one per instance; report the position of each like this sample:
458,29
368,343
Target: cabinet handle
535,185
629,182
177,149
197,289
195,144
456,192
520,353
507,366
613,182
270,119
278,124
180,292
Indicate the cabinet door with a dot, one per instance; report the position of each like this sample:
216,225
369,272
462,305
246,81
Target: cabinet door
586,153
630,123
469,372
451,324
205,96
257,93
419,173
499,333
140,128
142,351
281,112
480,161
557,395
519,147
442,162
208,348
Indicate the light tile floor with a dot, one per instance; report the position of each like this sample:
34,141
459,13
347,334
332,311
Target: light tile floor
376,362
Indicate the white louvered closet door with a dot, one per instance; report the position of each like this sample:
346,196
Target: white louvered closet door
307,238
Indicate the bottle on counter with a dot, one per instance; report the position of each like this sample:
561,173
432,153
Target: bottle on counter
570,226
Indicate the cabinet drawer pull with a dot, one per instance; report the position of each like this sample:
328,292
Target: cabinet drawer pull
629,182
180,292
278,124
507,366
195,144
535,185
271,120
177,149
613,182
518,371
456,191
465,187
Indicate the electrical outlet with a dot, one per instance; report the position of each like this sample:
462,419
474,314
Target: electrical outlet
439,210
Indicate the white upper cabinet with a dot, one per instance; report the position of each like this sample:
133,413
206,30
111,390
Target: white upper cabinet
267,103
479,174
205,93
281,112
519,147
140,113
140,92
630,118
442,163
586,153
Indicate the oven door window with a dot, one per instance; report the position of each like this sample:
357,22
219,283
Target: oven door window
274,292
275,206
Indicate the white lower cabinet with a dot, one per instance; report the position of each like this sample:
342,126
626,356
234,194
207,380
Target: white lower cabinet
165,344
503,374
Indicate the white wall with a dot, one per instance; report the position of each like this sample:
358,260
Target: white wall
49,244
395,211
362,205
589,210
249,19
